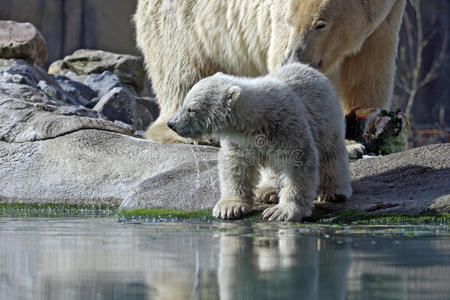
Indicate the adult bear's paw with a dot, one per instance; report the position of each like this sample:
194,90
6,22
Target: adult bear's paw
160,132
231,209
355,150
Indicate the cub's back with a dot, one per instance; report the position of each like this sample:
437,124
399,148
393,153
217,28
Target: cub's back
317,95
305,80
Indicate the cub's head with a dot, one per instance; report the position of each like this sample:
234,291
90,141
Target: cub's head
323,32
206,107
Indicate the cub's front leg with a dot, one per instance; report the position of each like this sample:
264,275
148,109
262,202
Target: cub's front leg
238,175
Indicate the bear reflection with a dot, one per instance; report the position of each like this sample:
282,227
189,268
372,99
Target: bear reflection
281,265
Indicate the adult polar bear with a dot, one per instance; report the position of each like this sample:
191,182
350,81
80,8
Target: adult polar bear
354,42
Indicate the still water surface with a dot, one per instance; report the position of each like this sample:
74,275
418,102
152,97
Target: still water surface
100,258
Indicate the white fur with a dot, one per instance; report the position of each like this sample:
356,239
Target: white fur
289,122
185,41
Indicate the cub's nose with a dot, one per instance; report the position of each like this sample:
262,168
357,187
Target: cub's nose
171,124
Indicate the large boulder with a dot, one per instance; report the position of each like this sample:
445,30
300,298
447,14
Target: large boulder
22,40
128,68
414,181
101,167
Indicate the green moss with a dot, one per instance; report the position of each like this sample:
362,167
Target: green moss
164,214
21,209
358,218
172,215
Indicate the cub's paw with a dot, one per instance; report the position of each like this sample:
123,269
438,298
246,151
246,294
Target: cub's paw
231,209
285,213
335,198
267,194
355,150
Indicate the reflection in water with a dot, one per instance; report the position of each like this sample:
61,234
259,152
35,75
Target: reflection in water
281,265
103,259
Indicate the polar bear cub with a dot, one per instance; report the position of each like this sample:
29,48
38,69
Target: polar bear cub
286,128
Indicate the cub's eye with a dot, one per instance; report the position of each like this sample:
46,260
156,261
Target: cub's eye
320,25
190,110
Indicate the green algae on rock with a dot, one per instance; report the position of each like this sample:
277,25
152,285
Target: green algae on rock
20,209
336,221
358,218
161,215
164,214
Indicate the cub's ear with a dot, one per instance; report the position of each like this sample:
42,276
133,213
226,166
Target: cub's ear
233,93
218,74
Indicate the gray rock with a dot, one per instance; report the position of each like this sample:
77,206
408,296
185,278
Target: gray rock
72,110
128,68
73,76
22,40
103,83
28,114
151,104
415,181
20,72
75,88
101,167
91,104
57,93
121,105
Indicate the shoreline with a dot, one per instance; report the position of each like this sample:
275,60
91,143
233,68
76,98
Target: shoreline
351,217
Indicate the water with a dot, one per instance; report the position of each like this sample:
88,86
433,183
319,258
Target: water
100,258
197,165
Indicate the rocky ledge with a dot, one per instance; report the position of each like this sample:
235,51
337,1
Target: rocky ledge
104,166
74,137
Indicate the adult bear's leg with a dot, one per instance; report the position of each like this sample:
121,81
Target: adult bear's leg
171,87
174,57
366,79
